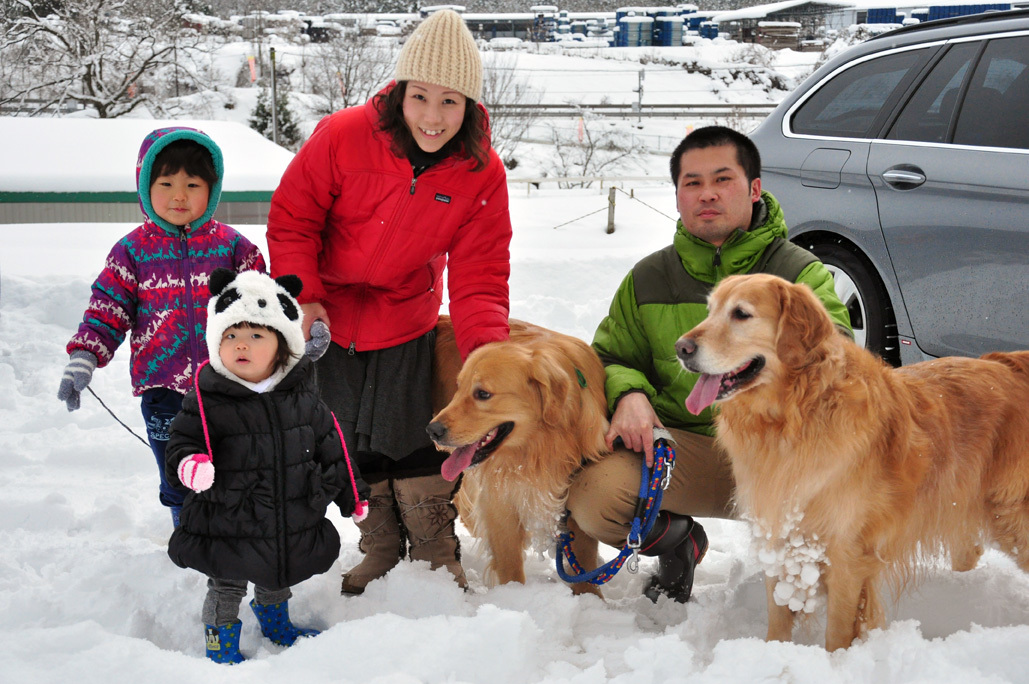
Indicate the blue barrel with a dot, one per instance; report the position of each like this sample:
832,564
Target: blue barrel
668,31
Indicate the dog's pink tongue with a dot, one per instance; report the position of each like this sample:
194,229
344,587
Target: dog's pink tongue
704,393
459,459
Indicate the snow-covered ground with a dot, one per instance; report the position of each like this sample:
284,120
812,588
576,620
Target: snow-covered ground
88,594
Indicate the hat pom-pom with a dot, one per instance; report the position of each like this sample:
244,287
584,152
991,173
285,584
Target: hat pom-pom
360,511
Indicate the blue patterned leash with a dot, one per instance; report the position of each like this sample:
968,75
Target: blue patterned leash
648,504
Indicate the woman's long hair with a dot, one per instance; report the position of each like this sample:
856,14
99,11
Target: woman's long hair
472,140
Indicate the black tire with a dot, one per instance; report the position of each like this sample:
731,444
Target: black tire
865,297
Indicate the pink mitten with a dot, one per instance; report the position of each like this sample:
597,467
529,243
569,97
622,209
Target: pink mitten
360,511
197,472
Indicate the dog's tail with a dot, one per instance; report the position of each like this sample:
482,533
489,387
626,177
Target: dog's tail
1017,361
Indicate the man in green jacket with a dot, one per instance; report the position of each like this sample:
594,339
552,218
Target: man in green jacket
727,226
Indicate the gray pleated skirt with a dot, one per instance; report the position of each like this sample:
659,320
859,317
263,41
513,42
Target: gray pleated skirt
381,398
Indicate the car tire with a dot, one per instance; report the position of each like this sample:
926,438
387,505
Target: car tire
862,292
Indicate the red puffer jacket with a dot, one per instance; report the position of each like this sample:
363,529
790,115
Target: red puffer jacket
370,241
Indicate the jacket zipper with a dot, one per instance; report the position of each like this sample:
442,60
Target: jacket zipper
187,286
381,249
278,477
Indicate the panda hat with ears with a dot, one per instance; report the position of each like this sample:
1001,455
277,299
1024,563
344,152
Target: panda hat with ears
253,297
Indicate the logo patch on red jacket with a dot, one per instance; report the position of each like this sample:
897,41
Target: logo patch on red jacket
440,197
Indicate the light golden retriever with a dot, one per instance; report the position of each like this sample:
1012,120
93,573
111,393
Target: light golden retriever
520,419
852,470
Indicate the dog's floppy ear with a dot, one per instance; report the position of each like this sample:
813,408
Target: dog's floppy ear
804,324
552,385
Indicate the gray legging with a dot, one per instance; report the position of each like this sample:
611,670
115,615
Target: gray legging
221,607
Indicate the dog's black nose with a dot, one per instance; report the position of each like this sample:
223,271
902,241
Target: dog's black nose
436,430
685,348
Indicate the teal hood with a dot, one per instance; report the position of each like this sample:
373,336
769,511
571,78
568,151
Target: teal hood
153,143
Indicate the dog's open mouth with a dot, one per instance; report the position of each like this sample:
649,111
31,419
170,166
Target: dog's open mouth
712,387
472,454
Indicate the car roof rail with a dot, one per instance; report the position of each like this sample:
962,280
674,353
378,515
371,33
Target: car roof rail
989,15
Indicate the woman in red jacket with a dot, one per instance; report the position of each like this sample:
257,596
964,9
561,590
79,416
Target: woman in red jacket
377,202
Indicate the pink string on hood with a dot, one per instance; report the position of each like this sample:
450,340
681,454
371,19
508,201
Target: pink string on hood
350,469
203,419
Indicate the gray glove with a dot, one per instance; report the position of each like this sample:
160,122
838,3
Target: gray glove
316,347
77,375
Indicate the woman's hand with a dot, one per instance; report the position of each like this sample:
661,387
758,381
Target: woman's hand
313,311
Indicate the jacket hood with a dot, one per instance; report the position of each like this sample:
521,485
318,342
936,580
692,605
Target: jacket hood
258,299
153,143
739,252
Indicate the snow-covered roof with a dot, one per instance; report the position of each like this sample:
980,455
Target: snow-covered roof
99,155
761,11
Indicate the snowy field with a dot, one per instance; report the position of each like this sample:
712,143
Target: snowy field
88,594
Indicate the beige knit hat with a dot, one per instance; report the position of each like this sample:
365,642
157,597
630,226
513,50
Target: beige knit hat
442,51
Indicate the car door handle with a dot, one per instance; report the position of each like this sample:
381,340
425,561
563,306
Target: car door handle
907,178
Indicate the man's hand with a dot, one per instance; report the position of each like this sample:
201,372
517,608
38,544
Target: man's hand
313,311
634,421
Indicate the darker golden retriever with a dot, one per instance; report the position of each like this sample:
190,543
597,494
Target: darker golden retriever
852,470
520,419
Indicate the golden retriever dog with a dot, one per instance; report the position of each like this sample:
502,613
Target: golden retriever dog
519,419
853,471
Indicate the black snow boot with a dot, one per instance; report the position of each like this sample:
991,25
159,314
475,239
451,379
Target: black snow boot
679,542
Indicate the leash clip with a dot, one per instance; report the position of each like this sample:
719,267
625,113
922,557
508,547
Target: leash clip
667,480
633,565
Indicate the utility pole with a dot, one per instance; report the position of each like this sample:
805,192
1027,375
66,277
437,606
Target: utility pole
639,98
275,99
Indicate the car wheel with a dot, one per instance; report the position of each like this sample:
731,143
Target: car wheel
862,292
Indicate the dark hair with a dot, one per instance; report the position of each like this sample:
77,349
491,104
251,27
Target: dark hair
715,136
186,155
472,140
282,354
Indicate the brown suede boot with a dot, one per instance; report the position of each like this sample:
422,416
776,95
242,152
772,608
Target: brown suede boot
382,540
428,514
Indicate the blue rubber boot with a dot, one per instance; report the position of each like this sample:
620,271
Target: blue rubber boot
223,643
176,512
275,623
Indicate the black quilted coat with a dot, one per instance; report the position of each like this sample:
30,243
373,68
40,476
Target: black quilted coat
278,463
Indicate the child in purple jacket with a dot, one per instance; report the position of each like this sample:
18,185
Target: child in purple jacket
154,285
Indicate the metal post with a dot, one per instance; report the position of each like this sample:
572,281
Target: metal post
275,100
611,210
639,99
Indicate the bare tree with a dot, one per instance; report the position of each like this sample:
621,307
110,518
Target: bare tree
509,100
348,69
99,53
595,147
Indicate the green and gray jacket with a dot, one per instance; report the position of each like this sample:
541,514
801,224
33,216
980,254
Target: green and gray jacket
665,295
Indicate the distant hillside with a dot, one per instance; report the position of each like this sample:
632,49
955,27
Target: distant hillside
225,8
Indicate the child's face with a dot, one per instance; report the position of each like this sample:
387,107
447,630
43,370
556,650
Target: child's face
179,198
250,352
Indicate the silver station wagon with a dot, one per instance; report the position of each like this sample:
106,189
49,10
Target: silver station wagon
903,163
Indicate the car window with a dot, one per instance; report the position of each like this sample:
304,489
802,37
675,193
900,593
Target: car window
928,114
995,110
849,103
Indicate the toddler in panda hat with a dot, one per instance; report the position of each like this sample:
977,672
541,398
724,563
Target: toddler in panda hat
262,457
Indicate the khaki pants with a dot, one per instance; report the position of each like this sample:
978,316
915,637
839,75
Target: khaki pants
602,498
